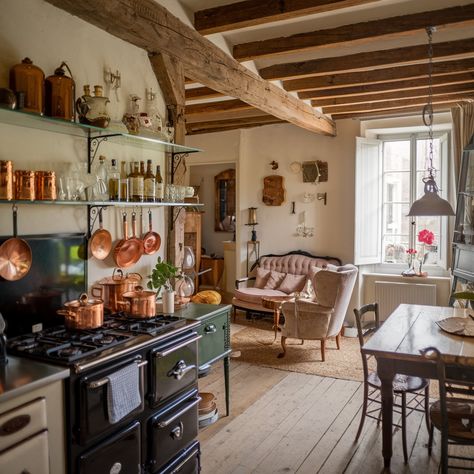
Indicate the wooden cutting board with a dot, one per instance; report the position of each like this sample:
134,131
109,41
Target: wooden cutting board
273,190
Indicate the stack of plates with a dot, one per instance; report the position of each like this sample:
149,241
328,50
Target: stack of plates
208,413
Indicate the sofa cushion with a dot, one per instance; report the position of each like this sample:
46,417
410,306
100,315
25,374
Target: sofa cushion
254,295
292,283
261,277
274,280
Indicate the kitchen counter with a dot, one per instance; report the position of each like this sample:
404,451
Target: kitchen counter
20,376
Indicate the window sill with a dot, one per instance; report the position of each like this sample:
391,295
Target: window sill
395,269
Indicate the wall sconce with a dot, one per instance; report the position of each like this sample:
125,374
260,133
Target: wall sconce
252,221
302,230
322,197
115,80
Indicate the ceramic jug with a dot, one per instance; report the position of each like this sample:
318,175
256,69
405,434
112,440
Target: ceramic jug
93,110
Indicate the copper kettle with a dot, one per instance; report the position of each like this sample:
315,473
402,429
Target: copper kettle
60,94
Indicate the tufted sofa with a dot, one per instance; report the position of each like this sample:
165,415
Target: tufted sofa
276,275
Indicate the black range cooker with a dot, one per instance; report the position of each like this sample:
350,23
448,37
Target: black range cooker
159,436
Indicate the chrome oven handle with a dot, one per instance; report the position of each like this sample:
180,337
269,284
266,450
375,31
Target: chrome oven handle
104,381
167,422
210,329
175,348
184,461
180,370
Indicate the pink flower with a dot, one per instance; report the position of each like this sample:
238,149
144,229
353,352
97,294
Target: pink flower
411,251
426,237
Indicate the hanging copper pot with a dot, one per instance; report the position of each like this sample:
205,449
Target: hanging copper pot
28,79
60,94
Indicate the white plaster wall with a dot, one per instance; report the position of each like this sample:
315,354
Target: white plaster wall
48,36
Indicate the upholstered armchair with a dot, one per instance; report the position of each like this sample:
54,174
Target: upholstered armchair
321,317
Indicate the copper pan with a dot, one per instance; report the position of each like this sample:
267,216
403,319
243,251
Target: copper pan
128,251
101,241
151,240
15,255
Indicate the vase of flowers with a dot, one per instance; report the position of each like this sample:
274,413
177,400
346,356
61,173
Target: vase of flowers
425,237
411,254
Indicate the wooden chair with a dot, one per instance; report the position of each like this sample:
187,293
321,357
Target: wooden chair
453,413
402,384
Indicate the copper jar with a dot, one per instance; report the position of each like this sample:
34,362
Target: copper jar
83,313
59,94
28,79
6,180
139,303
111,289
25,185
45,185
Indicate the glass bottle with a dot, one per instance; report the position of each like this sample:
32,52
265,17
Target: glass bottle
114,178
149,183
123,191
136,183
159,185
101,188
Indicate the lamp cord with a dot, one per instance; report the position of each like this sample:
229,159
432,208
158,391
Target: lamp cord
428,108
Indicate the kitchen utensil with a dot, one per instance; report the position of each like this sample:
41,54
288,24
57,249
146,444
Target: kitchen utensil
139,303
6,180
28,78
83,313
111,289
25,185
101,241
151,240
128,251
15,255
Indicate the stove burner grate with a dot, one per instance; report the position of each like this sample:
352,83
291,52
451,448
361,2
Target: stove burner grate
125,322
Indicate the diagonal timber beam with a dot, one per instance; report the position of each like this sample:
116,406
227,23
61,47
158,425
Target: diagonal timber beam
148,25
231,124
356,33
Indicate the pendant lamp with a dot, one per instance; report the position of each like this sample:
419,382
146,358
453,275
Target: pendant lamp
430,204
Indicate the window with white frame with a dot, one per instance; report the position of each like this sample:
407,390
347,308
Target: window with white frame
389,174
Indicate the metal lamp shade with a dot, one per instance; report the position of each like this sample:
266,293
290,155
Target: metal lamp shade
430,204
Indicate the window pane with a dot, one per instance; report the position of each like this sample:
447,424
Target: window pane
394,248
422,153
396,155
395,220
396,187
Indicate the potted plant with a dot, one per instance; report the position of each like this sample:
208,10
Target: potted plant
161,279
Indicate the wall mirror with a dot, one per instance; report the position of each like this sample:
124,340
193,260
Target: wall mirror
225,201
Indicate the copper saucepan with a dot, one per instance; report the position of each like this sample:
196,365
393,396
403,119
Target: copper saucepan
15,255
139,303
128,251
151,240
83,313
101,241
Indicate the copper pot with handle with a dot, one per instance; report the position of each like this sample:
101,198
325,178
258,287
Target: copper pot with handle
83,313
111,289
139,303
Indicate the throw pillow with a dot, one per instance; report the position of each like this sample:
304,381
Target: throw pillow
262,276
274,280
292,283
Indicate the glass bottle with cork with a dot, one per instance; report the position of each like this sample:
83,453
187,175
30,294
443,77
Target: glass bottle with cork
149,183
114,179
159,185
123,185
136,183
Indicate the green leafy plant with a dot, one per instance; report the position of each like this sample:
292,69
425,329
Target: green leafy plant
162,275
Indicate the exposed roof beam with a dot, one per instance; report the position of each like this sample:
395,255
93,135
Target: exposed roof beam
354,62
355,33
198,93
396,104
150,26
458,78
378,75
217,107
412,110
395,95
251,12
230,124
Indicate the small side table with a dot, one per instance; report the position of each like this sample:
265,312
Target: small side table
275,302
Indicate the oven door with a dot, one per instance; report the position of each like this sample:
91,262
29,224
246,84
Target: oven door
187,461
173,367
92,417
119,454
172,430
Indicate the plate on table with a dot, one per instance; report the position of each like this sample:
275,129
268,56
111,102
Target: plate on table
458,326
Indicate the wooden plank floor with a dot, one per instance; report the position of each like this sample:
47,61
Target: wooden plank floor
284,422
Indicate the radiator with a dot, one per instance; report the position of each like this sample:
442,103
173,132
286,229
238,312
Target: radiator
390,294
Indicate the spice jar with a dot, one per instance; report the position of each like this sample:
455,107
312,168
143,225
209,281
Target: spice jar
45,182
28,79
25,185
6,180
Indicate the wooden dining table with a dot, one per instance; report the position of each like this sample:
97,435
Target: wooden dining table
397,345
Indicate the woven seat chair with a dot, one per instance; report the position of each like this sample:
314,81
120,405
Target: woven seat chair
416,388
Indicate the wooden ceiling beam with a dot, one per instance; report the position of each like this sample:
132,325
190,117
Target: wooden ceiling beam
356,33
231,124
217,107
199,93
460,78
252,13
412,110
354,62
395,95
150,26
396,104
378,75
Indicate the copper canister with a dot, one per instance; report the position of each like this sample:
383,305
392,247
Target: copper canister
6,180
45,185
29,79
25,185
